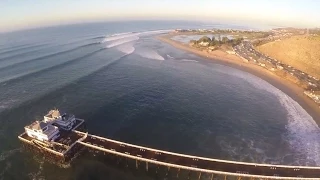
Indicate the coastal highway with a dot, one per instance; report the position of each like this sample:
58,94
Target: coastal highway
200,164
247,51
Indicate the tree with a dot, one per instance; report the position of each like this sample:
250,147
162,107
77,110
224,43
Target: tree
238,41
225,40
219,37
213,43
218,43
205,39
231,42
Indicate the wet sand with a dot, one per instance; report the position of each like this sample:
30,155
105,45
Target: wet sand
221,57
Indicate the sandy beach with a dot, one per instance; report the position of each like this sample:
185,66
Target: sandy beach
221,57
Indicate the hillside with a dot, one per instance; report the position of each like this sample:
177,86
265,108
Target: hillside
301,52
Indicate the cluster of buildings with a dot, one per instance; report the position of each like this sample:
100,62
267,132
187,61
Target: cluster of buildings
211,30
50,127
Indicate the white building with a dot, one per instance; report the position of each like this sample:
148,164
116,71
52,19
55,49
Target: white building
42,131
64,121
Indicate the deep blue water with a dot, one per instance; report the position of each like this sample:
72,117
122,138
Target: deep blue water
131,87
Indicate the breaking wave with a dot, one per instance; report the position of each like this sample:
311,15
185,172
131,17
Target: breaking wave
130,34
188,60
169,56
126,48
118,36
150,54
156,32
303,133
122,41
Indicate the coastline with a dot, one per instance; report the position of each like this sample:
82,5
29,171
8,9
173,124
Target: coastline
234,61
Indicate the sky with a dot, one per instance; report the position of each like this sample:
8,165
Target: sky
22,14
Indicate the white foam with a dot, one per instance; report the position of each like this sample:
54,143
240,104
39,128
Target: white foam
122,41
155,32
7,154
303,133
169,56
245,150
7,167
130,34
7,104
126,48
188,60
118,36
150,54
37,175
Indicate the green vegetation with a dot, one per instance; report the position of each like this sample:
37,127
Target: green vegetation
205,41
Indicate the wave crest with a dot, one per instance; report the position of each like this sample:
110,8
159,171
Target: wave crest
150,54
122,41
126,48
118,36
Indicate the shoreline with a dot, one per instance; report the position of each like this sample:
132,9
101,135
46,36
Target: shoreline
234,61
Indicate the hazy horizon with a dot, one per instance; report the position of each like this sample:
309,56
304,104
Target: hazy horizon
28,14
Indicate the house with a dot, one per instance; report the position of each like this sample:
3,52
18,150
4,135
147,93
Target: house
64,121
42,131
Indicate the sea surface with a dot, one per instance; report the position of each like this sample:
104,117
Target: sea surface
129,86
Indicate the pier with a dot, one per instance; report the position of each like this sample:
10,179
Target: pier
198,164
70,143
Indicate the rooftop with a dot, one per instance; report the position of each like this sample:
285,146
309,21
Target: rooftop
37,125
53,113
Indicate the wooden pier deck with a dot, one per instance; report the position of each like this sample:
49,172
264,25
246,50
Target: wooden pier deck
199,164
71,142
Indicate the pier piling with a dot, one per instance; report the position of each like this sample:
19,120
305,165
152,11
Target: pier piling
147,166
137,164
199,176
178,172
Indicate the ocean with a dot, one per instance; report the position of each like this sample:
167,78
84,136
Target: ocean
131,87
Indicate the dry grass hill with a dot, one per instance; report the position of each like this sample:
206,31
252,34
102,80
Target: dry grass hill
301,52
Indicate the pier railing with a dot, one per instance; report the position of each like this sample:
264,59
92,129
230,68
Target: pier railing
198,164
